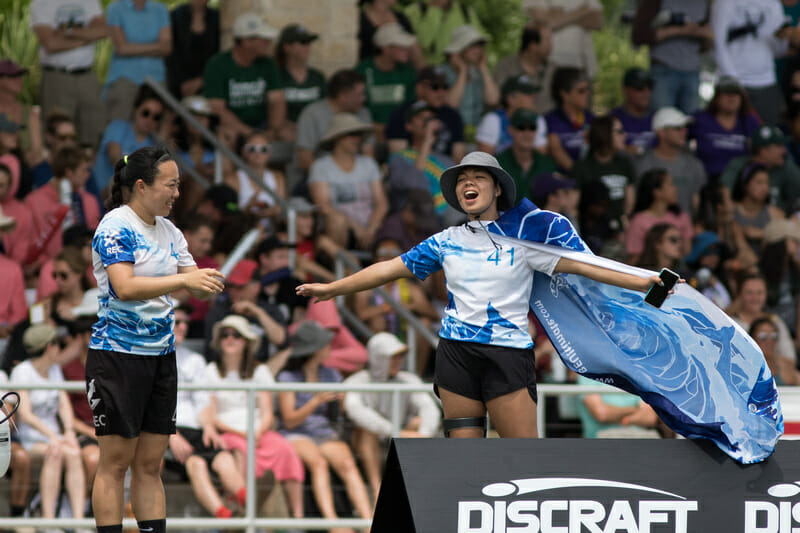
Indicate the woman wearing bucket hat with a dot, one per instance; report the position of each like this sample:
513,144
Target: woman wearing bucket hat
484,361
237,344
347,186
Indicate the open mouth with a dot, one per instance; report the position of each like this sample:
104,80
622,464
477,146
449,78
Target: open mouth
470,195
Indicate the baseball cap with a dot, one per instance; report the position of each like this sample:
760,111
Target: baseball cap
297,33
7,125
11,68
252,25
392,34
670,117
519,84
637,78
766,135
418,107
728,84
524,117
224,198
546,183
300,205
433,74
242,273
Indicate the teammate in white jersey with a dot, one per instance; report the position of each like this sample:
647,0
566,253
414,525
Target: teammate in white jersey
484,361
139,258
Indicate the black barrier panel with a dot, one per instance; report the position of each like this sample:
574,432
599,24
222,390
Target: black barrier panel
584,485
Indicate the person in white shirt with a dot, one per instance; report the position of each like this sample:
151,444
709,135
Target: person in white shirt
20,462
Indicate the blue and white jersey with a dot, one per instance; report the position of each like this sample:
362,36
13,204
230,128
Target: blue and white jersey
141,327
488,287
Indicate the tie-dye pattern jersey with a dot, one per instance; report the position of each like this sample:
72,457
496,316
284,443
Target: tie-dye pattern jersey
488,284
142,327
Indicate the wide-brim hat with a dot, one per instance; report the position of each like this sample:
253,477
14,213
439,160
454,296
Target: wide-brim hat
308,338
198,105
242,326
487,162
343,124
464,37
251,25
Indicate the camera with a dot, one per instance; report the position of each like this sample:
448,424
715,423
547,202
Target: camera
665,18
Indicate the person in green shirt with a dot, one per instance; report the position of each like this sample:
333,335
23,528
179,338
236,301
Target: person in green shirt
521,159
390,77
301,83
243,85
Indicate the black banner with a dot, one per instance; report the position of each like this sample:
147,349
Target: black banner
584,485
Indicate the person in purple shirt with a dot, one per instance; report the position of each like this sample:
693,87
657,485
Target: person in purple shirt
566,124
722,129
634,113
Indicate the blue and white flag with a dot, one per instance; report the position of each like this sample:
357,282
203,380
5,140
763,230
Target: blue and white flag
697,368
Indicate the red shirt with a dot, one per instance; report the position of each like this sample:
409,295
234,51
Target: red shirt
13,306
75,371
17,241
200,307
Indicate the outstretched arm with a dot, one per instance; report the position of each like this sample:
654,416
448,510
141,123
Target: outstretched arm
373,276
605,275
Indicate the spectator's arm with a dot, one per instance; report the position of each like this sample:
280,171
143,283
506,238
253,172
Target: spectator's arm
641,32
366,312
94,31
54,40
114,152
266,414
27,416
380,206
65,413
605,413
428,412
81,427
227,118
275,333
420,304
36,153
558,153
160,48
276,102
456,91
587,17
363,415
459,151
725,63
18,308
304,158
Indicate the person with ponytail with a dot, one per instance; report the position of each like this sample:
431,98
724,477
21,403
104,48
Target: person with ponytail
139,259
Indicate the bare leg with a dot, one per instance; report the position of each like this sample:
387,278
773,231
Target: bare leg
341,459
147,491
368,450
230,475
458,406
294,495
75,480
203,488
116,454
320,477
50,475
20,475
514,415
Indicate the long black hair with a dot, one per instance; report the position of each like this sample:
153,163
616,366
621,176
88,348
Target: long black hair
140,165
650,181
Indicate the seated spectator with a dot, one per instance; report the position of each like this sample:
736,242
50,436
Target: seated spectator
554,192
243,84
123,137
193,150
77,237
19,468
13,306
67,33
676,43
237,345
434,22
634,113
752,205
722,129
764,331
414,222
59,132
706,262
376,13
253,199
518,92
302,84
346,354
615,416
69,272
142,37
532,60
671,154
750,304
521,159
199,234
568,121
22,120
431,88
792,127
602,233
419,166
63,202
19,237
195,40
607,163
768,149
196,448
656,203
371,412
471,84
662,248
780,264
277,281
220,204
389,76
346,186
46,429
306,420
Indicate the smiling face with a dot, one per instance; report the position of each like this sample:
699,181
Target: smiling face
758,186
159,197
753,294
477,193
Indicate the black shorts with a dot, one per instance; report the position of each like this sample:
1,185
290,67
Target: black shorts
195,438
482,371
131,393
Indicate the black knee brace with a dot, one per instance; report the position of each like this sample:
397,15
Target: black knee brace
449,424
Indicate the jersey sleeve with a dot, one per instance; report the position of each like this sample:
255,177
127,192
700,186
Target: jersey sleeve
182,249
114,244
425,258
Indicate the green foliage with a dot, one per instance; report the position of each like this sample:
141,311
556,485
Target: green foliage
17,42
504,21
615,54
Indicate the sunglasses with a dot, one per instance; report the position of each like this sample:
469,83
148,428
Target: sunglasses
146,113
67,136
256,148
767,336
526,127
60,275
230,333
438,86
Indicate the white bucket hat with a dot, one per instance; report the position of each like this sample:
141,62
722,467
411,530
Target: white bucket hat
464,37
342,124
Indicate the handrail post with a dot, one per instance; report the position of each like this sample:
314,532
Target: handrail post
396,422
219,173
411,342
338,267
540,414
291,233
250,504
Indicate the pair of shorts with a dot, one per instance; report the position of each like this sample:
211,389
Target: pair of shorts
194,437
130,394
482,371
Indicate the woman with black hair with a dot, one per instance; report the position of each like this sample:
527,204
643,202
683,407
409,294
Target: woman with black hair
656,202
752,211
662,248
567,123
139,258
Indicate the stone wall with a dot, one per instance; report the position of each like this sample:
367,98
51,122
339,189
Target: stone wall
336,22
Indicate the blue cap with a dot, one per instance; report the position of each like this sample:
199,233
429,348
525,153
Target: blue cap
701,245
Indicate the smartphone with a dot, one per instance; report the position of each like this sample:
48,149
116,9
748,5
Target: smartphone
658,293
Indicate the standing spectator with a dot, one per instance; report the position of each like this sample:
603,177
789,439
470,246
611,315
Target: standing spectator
434,22
123,137
389,76
431,88
302,84
634,113
195,39
571,22
748,35
372,411
521,160
768,149
518,92
677,32
141,34
59,131
532,59
243,84
347,187
471,84
17,238
13,306
67,32
722,129
374,14
568,121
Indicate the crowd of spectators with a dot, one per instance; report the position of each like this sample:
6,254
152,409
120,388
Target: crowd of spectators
711,189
